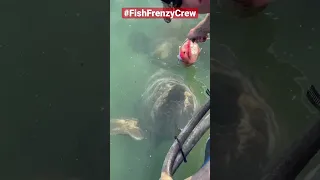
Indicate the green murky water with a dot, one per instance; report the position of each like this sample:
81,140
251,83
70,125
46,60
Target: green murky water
277,50
130,70
54,82
262,49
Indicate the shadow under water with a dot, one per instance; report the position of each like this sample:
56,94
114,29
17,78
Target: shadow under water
244,126
274,67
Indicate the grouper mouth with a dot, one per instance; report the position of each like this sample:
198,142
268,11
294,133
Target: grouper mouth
174,109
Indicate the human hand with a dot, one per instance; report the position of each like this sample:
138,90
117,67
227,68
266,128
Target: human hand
196,34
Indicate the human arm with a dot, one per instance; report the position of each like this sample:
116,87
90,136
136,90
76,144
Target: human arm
200,31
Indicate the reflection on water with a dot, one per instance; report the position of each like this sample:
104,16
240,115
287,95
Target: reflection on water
244,126
260,45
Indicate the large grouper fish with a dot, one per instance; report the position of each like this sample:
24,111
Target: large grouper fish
166,106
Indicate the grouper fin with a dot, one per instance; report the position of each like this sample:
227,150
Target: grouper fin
136,134
126,127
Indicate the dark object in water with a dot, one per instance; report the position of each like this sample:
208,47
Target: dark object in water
180,149
248,9
171,4
208,92
314,97
167,105
301,152
243,125
243,8
189,136
296,157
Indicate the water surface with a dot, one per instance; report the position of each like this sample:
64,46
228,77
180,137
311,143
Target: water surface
133,61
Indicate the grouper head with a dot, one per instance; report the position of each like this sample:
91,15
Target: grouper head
172,111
